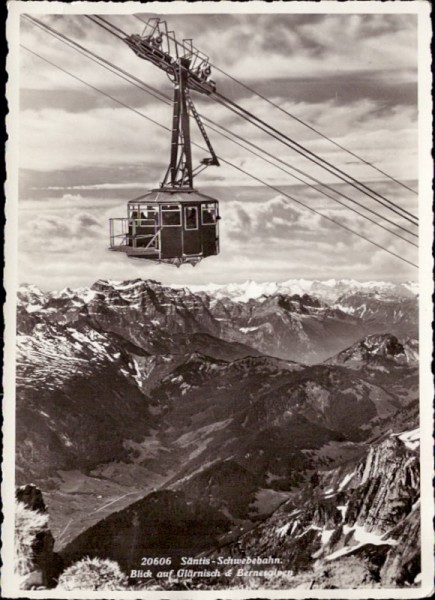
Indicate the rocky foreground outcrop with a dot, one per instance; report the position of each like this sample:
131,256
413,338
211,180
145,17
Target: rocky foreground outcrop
365,516
357,525
149,414
36,564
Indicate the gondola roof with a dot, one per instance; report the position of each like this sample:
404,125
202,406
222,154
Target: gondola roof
159,196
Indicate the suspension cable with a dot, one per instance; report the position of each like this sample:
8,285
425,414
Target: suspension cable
323,135
300,149
291,115
115,69
160,96
94,87
316,159
108,27
278,190
308,184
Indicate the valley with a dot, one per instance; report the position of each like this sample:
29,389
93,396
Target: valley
157,419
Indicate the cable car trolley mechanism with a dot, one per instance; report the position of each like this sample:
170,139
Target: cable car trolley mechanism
173,224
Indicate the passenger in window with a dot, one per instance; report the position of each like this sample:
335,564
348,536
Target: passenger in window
208,216
191,218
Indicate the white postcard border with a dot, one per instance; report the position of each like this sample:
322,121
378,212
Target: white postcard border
422,9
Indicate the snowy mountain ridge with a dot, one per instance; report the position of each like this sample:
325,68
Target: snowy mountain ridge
328,290
218,411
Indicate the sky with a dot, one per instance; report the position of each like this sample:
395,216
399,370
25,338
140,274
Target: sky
83,156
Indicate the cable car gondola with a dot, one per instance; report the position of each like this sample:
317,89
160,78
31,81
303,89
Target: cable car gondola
174,224
174,227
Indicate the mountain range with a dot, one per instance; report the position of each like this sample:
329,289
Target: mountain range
198,420
328,290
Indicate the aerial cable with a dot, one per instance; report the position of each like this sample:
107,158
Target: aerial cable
94,19
312,179
342,194
303,151
99,17
110,66
299,120
321,214
334,190
300,149
309,184
126,76
94,87
162,97
278,190
308,126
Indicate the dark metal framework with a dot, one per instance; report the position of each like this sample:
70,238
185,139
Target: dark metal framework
189,70
174,224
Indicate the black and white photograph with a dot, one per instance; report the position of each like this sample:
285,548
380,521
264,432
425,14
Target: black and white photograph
218,321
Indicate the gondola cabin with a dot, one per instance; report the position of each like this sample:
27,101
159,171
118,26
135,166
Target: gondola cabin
175,223
172,227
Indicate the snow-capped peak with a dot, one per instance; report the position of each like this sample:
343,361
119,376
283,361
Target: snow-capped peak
328,290
411,438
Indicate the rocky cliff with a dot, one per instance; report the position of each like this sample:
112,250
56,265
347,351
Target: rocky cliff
365,512
36,563
204,410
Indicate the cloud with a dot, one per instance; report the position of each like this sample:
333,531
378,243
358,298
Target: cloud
82,156
68,128
54,139
87,222
90,37
99,186
263,236
274,218
285,46
58,232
